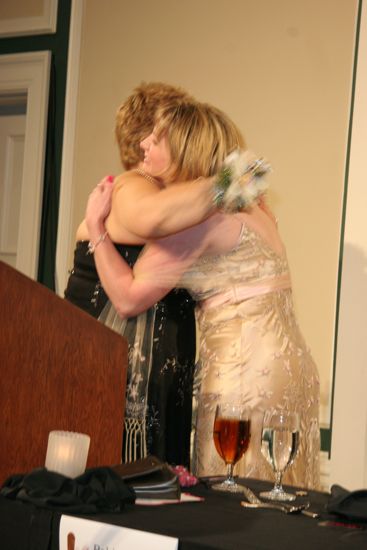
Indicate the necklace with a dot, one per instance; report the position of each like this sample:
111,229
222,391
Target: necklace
146,176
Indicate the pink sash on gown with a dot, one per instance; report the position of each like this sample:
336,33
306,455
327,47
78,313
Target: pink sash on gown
238,293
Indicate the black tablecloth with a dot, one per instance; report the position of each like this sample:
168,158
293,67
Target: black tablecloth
218,523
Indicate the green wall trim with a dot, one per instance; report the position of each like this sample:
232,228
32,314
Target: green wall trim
325,434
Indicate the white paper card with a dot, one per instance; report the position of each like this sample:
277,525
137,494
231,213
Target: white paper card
185,497
84,534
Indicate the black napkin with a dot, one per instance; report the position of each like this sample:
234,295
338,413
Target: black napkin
97,490
352,505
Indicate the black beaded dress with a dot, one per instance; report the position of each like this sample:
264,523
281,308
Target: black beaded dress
169,343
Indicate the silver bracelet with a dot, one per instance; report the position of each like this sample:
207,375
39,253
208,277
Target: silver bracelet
93,246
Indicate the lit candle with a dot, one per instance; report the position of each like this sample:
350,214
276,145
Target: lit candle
67,453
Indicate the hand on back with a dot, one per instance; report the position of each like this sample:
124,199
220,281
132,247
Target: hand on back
99,201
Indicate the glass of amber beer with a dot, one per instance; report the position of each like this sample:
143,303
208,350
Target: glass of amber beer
231,433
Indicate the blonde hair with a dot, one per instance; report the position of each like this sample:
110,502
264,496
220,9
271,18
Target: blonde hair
199,136
135,117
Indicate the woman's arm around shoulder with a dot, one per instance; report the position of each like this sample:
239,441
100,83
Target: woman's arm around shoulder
141,207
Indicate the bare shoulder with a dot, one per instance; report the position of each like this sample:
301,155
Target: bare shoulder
124,220
122,181
133,183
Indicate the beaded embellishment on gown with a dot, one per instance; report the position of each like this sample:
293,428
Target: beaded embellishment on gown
250,344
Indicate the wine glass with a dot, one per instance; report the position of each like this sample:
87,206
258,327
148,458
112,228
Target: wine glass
279,445
231,433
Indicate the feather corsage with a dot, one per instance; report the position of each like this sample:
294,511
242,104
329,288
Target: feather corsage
240,181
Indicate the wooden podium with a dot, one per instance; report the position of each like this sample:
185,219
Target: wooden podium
60,370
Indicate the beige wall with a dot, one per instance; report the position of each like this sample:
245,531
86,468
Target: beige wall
282,70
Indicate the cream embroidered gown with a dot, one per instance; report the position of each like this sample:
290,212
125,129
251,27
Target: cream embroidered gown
250,345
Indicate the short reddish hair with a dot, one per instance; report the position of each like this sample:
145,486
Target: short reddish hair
135,117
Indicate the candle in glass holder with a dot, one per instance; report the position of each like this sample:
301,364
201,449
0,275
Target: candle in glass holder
67,453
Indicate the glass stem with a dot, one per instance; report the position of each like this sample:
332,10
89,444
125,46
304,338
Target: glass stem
230,478
278,482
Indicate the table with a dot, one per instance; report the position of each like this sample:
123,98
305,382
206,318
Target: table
218,523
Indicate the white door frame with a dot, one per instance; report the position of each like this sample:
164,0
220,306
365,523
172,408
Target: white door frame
30,73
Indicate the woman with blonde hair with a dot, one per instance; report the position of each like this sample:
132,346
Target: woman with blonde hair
234,265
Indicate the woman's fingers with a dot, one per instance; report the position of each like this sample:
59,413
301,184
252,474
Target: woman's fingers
107,180
99,202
